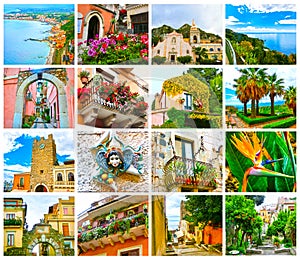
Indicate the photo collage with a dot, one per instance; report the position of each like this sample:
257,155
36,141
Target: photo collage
151,129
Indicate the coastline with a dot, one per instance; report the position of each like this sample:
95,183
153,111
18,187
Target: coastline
49,59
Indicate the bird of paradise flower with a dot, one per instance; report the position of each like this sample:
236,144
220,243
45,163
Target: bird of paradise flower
253,148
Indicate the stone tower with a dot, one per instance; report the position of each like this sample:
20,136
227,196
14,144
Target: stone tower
42,162
194,35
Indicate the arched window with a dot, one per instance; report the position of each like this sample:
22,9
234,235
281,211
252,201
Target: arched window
22,182
70,176
195,39
59,177
174,40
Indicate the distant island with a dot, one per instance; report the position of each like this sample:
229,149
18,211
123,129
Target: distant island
245,50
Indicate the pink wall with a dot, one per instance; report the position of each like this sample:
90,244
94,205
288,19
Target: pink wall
10,90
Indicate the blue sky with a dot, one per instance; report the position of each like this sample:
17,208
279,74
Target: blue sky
288,74
173,209
207,17
39,7
18,147
261,18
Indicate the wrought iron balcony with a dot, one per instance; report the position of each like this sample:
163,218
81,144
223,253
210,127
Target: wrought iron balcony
99,109
183,174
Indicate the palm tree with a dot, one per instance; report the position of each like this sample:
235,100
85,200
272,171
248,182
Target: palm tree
255,84
275,88
201,53
241,93
290,98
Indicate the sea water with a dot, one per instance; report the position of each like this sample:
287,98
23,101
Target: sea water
19,51
282,42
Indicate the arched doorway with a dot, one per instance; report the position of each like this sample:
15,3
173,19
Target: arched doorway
94,27
23,92
43,240
43,249
41,188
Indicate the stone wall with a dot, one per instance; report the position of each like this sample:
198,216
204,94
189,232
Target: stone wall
87,166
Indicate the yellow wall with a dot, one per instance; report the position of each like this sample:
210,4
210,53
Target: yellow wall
159,229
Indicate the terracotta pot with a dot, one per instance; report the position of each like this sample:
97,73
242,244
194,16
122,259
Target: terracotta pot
84,80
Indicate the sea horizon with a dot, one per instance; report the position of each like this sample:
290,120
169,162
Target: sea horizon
284,42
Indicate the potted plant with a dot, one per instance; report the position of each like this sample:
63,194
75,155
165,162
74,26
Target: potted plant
84,76
180,100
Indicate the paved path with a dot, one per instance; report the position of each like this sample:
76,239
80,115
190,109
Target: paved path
40,123
192,250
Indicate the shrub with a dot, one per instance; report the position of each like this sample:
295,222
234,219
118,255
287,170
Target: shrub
158,60
168,124
282,124
253,121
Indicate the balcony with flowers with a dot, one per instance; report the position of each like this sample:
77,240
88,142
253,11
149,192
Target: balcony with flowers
13,222
111,228
106,105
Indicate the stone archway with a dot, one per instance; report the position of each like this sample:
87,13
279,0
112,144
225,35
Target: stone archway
62,98
45,235
41,188
90,18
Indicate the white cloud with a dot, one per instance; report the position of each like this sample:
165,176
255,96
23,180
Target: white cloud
270,8
16,168
10,143
64,140
288,21
231,20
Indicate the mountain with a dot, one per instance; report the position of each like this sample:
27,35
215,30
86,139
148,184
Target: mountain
158,33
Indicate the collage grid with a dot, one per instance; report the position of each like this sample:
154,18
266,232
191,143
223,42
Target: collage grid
146,156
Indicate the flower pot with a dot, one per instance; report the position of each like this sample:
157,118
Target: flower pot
84,80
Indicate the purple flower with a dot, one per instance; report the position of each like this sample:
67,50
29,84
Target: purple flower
92,52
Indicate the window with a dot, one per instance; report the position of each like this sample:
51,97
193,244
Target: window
67,244
10,216
139,23
41,171
158,52
21,182
130,252
219,49
173,40
59,177
184,148
10,239
187,52
187,101
65,227
70,176
211,49
66,212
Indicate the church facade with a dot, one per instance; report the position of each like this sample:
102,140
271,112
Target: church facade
174,46
46,174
